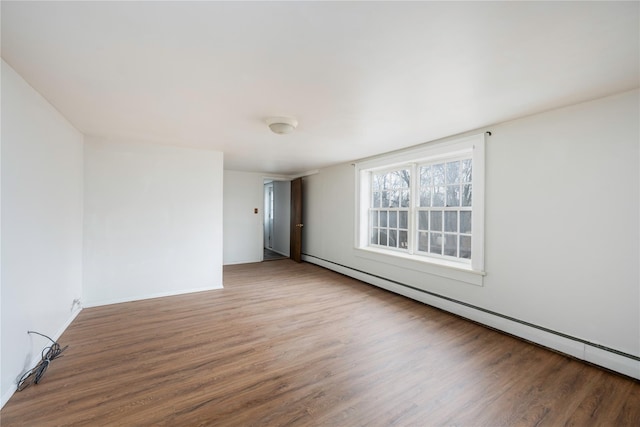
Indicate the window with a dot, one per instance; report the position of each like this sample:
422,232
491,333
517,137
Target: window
425,204
389,211
444,209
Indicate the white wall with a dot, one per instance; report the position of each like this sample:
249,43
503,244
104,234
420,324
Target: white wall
562,227
153,220
243,192
281,217
41,225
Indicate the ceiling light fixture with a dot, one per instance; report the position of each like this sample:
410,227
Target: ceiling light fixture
282,125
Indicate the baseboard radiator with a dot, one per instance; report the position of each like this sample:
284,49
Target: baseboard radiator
609,358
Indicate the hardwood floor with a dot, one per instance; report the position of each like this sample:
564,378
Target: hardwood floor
295,344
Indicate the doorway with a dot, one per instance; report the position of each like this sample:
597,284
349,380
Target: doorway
295,252
277,217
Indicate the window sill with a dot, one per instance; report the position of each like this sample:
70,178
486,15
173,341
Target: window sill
437,267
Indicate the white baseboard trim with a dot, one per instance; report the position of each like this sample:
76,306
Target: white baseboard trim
64,327
592,353
150,296
247,261
38,355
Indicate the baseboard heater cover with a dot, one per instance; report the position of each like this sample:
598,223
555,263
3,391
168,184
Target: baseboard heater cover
609,358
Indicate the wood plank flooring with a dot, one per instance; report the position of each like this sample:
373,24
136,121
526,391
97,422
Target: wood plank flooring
288,344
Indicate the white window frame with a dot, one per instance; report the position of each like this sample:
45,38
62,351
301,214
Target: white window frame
463,270
397,209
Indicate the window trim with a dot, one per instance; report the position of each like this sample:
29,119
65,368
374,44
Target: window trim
408,209
474,144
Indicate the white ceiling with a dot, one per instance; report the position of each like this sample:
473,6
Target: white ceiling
362,78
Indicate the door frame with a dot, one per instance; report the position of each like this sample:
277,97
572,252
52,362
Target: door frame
266,179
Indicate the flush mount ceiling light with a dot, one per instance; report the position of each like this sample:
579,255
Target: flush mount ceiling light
282,125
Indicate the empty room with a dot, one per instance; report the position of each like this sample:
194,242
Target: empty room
323,213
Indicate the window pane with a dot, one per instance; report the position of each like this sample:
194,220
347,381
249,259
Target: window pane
423,242
425,176
438,196
402,240
401,179
394,179
375,182
386,182
453,172
376,199
393,219
403,219
436,243
383,218
374,219
423,220
466,170
394,201
404,199
453,195
425,197
451,221
393,238
384,202
465,222
383,237
466,195
398,179
437,172
451,244
436,220
406,178
374,236
465,247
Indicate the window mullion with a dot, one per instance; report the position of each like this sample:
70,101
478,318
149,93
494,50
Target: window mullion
412,213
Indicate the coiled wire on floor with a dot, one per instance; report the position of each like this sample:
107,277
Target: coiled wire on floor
34,375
